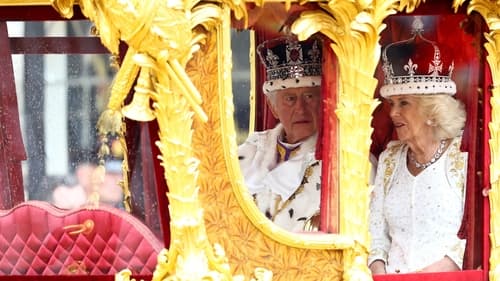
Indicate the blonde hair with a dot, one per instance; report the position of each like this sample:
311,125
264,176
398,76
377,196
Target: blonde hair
446,114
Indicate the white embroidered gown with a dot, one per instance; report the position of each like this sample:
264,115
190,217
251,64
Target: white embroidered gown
414,220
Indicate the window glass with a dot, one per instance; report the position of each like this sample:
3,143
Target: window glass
240,44
63,80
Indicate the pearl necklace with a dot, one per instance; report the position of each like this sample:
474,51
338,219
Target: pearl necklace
434,158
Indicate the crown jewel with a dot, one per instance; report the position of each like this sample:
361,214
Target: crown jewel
290,63
416,66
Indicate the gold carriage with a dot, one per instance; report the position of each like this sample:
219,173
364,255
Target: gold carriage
175,75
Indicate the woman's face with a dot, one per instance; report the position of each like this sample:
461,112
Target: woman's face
407,117
298,111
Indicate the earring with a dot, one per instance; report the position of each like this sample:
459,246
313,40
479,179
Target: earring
429,122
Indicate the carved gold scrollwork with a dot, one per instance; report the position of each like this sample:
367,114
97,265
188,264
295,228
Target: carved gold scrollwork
139,109
162,36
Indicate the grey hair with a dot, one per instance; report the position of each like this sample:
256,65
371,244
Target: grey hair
446,114
271,97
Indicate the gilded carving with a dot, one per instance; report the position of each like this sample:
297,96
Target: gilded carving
161,41
225,221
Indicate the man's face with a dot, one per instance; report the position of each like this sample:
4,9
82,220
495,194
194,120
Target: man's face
298,110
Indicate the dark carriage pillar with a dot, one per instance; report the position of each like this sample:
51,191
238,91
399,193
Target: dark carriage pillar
11,144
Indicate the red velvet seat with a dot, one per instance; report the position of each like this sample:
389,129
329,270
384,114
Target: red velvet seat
37,238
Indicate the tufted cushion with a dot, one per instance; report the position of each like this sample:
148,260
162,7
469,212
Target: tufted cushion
37,238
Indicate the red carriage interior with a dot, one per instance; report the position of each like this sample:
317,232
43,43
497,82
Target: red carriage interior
37,238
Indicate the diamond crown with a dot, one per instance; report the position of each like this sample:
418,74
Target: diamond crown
416,66
285,57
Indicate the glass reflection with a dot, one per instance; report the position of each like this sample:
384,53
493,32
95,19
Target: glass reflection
240,44
60,98
61,90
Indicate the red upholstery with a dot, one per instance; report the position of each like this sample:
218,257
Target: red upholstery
35,240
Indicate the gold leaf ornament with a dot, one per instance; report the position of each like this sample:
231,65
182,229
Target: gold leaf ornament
110,121
64,7
262,274
139,109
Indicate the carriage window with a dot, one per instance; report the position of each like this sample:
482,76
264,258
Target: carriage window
61,181
60,98
240,41
291,135
63,84
465,69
